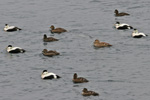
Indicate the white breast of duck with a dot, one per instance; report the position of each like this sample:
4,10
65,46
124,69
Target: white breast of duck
47,75
11,49
136,34
122,26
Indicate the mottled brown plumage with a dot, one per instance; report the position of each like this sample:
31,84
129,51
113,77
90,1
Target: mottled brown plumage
50,53
85,92
99,44
57,30
48,39
77,79
120,14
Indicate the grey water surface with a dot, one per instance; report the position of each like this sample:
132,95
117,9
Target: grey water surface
120,72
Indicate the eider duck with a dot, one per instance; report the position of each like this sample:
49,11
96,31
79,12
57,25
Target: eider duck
77,79
48,39
57,30
136,34
50,53
85,92
47,75
11,49
99,44
117,14
122,26
8,28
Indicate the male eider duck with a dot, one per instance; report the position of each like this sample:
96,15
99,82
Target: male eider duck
85,92
48,39
11,49
50,53
117,14
99,44
77,79
122,26
57,30
47,75
8,28
136,34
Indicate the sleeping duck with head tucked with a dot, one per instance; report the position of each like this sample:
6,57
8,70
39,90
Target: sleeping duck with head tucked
57,30
99,44
85,92
50,53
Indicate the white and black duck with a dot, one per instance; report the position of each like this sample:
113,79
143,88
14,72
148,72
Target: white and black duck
47,75
8,28
136,34
11,49
122,26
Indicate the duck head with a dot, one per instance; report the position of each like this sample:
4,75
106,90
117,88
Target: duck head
75,76
52,27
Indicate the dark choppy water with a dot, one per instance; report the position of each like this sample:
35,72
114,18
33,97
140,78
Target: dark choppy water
121,72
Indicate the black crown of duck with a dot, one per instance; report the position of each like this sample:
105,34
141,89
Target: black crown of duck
99,44
48,39
50,53
120,14
85,92
77,79
57,30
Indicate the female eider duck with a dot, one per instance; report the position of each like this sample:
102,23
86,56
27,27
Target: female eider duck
117,14
48,39
11,49
57,30
122,26
8,28
85,92
50,53
77,79
47,75
99,44
136,34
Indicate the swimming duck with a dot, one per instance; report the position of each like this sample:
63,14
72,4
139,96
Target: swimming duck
122,26
8,28
49,53
120,14
48,39
11,49
77,79
136,34
57,30
85,92
99,44
46,75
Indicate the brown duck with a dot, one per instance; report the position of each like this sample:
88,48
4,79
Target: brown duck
50,53
99,44
48,39
77,79
85,92
120,14
57,30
